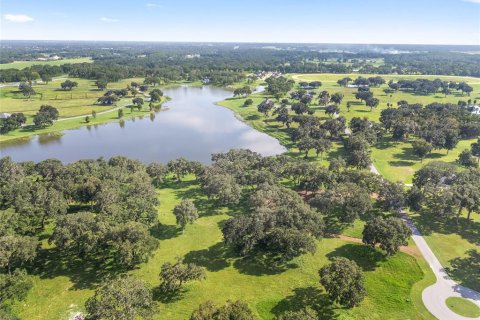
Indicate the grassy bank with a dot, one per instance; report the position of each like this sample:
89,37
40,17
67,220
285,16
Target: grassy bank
72,105
69,103
109,116
394,160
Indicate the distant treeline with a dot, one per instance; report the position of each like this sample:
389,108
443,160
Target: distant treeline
222,64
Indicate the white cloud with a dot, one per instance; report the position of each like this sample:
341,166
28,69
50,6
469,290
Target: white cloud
17,18
154,5
105,19
473,1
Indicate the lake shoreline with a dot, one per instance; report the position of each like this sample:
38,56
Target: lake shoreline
193,125
78,122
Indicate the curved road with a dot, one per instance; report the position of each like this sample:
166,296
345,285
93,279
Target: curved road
435,295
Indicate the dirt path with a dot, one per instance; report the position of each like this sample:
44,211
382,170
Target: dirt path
405,249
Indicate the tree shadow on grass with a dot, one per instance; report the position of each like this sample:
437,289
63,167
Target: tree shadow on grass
333,224
307,297
407,154
339,152
168,297
366,257
386,143
215,258
428,224
252,117
165,231
401,163
241,207
84,273
206,207
356,103
466,270
172,183
260,264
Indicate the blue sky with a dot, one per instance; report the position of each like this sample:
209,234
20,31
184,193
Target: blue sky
315,21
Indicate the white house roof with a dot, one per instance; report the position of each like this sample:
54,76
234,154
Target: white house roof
476,110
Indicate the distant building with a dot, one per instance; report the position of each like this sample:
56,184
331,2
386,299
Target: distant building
4,115
476,110
357,86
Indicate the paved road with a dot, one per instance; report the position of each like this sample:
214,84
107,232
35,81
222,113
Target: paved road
435,295
83,117
123,105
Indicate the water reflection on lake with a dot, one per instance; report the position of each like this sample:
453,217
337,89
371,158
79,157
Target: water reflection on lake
192,127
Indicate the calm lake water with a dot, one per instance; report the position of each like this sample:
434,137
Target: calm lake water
193,127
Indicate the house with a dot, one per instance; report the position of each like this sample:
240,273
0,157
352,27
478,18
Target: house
4,115
357,86
475,109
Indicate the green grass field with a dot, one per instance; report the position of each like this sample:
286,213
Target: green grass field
275,129
26,64
76,103
358,109
62,289
463,307
79,101
394,160
58,126
456,246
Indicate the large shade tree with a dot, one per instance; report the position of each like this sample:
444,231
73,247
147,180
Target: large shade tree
125,298
344,281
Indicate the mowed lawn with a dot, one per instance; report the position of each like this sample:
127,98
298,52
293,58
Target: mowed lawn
26,64
394,160
75,104
270,126
358,109
456,246
60,290
79,101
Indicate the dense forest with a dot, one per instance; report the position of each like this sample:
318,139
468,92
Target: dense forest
226,63
104,213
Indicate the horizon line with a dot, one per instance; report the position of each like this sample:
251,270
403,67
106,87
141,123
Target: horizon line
241,42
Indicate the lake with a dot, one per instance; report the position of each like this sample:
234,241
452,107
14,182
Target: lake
190,126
